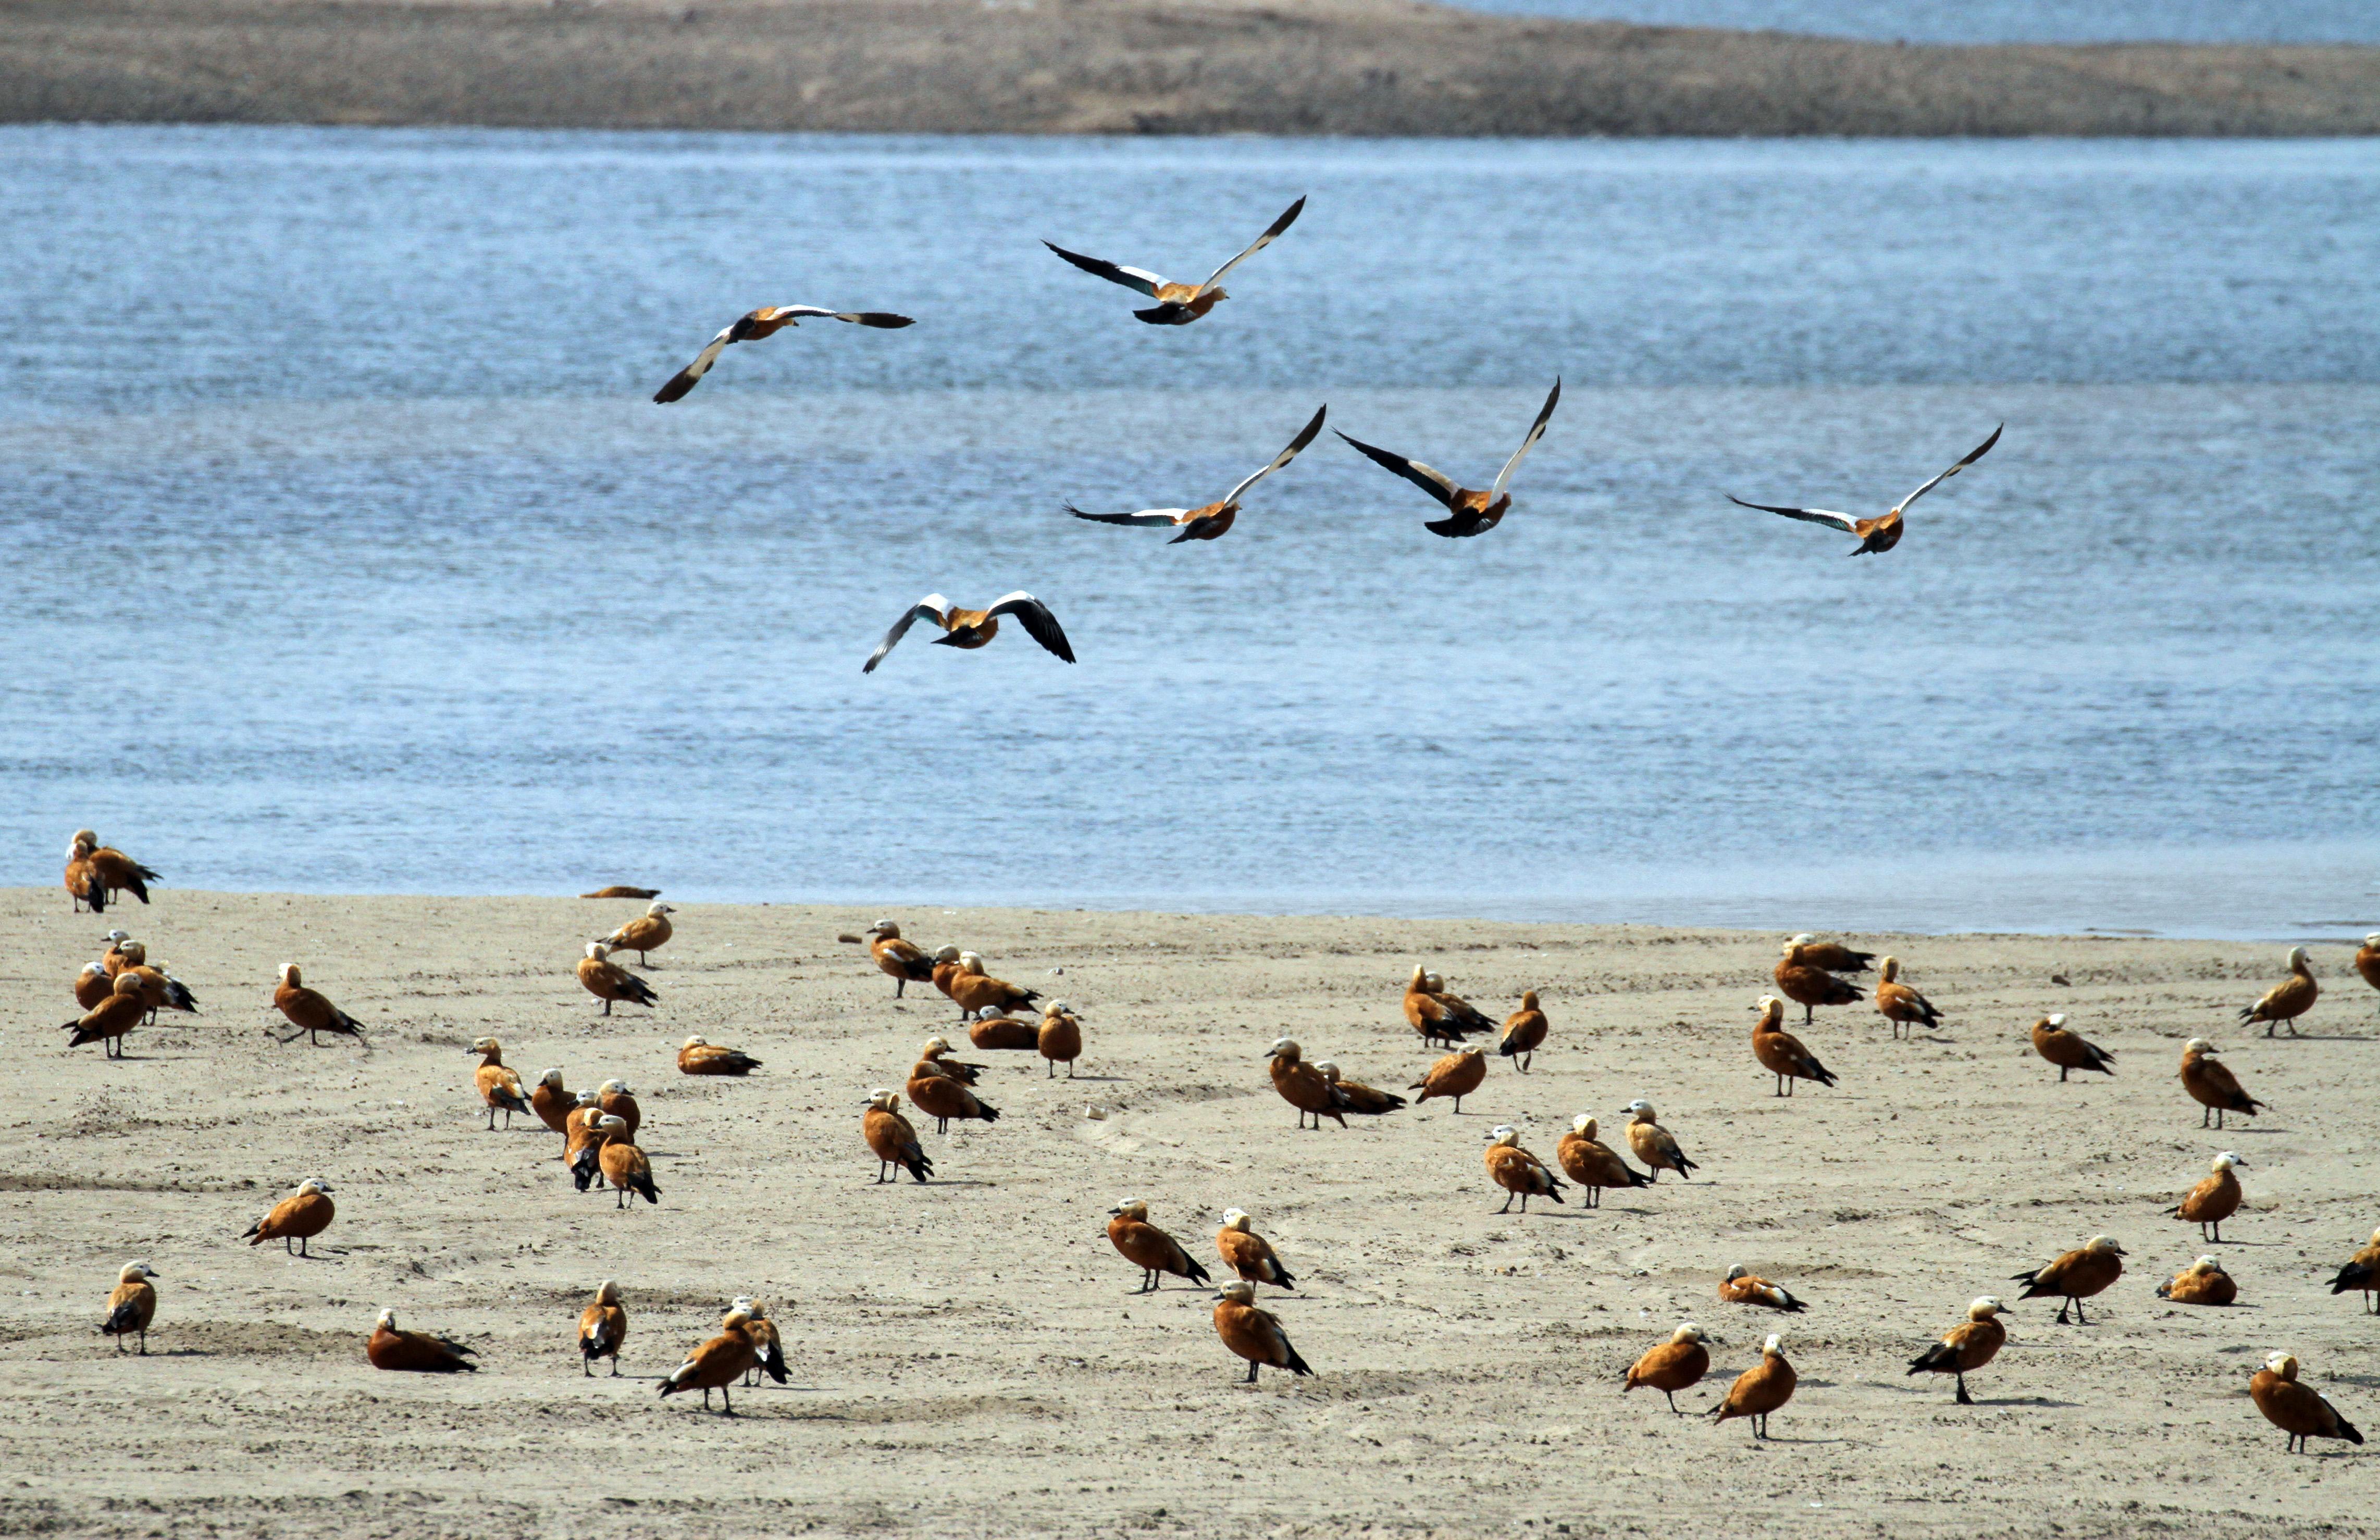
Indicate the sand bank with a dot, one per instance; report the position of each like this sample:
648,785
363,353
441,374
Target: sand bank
968,1357
1280,66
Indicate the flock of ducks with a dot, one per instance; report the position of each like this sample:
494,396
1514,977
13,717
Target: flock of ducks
598,1129
1468,511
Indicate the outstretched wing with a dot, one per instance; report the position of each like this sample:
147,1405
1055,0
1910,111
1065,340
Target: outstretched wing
1288,218
1130,277
1038,623
1978,453
883,319
1843,522
1146,516
1433,482
1536,432
933,607
684,380
1304,437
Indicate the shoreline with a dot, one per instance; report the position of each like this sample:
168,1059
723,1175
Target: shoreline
1326,67
981,1331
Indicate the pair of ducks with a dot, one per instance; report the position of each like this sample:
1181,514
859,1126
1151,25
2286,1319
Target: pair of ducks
1584,1158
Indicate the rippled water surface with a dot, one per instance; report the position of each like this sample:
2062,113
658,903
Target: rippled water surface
1996,20
349,555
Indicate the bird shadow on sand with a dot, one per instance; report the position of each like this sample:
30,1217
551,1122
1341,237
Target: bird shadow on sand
1098,1079
1781,1438
2024,1401
2316,1038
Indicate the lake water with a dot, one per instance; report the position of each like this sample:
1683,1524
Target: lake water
349,555
1994,20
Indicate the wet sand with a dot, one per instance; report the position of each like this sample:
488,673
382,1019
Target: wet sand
967,1356
1042,66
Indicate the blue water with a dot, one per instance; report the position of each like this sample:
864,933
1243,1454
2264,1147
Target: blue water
350,556
1994,20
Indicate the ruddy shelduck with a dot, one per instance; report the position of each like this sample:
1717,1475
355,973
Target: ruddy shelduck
2360,1273
934,1057
716,1363
2054,1041
622,889
1808,985
582,1143
1455,1077
1302,1084
1966,1347
1248,1254
949,963
1760,1389
419,1353
92,985
941,1098
1354,1096
106,870
1178,304
1060,1038
768,1352
701,1056
298,1218
1520,1174
1902,1005
1468,512
1833,956
994,1032
1781,1053
891,1140
969,629
1155,1253
551,1104
766,321
2300,1410
1210,521
1593,1164
1470,1016
1674,1365
974,990
1524,1032
607,981
2075,1276
646,933
2213,1200
310,1011
106,1022
116,958
499,1085
603,1326
2367,960
1255,1335
902,961
1876,535
618,1099
1742,1286
132,1305
2202,1282
624,1165
2287,1000
2211,1084
158,989
1439,1017
1653,1144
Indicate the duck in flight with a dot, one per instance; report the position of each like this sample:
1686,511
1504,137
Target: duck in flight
1177,304
974,629
1467,512
767,321
1212,521
1876,535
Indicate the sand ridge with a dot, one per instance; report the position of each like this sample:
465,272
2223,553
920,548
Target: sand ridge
1110,66
967,1356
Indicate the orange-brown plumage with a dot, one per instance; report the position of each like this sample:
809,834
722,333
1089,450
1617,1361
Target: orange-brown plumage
415,1352
1759,1390
132,1305
1965,1346
299,1217
996,1034
891,1140
607,981
2213,1200
942,1098
699,1056
2075,1276
106,1022
974,990
553,1104
310,1011
1742,1286
2211,1084
499,1085
1781,1053
2367,960
1155,1253
92,985
1438,1018
2068,1050
1060,1038
1806,984
1520,1174
2202,1282
624,1165
1593,1164
716,1363
902,961
1900,1004
1524,1032
646,933
1301,1086
2300,1410
1455,1077
603,1326
1248,1254
2288,999
934,1057
1255,1335
2360,1272
1676,1365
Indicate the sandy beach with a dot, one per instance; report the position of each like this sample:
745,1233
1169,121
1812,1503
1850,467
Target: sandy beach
1115,67
968,1357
